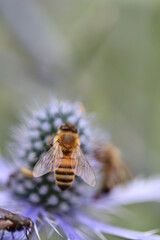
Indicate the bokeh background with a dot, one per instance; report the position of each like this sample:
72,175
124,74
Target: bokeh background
105,53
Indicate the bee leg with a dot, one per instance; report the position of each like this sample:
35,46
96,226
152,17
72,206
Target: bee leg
12,236
26,234
106,189
26,172
2,236
11,177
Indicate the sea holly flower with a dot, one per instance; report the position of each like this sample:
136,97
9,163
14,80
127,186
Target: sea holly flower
74,213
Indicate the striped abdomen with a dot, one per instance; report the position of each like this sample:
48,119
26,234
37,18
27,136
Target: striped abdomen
65,173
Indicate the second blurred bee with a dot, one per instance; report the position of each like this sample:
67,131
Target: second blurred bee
114,170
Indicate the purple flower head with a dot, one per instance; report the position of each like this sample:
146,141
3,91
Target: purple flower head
70,214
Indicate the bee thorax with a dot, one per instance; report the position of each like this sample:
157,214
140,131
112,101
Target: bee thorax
68,140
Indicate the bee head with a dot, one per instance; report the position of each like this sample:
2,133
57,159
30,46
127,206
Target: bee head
68,128
106,153
28,223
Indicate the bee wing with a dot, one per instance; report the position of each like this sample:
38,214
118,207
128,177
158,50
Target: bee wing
58,157
4,219
4,213
83,169
125,173
46,162
119,174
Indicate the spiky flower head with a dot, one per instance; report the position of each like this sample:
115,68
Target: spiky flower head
32,142
73,213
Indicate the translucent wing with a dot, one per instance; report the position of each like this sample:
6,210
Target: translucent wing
119,173
124,172
58,157
4,213
83,169
46,162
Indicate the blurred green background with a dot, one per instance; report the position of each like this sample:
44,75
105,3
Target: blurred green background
105,53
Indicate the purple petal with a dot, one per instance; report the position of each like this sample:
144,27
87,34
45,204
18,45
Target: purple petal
31,211
67,228
18,205
115,231
5,201
37,231
49,220
53,226
139,190
17,235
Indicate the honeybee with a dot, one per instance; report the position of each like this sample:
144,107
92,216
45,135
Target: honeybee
12,222
65,159
114,170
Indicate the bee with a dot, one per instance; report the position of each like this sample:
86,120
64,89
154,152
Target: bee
65,159
12,222
114,170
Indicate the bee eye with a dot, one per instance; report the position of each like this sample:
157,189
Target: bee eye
68,127
28,223
64,127
74,130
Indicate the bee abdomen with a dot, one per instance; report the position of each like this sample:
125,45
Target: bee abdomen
64,178
65,173
64,183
